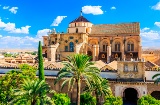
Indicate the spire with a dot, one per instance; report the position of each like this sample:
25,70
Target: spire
81,13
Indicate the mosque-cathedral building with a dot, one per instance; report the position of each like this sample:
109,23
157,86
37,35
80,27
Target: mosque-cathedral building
116,48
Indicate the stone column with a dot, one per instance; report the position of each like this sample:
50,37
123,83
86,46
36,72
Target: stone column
97,49
108,54
94,53
140,52
52,52
123,48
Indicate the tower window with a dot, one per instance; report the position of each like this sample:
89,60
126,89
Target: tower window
76,30
135,68
125,67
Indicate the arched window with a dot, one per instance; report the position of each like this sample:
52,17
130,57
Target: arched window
71,46
130,46
104,44
117,46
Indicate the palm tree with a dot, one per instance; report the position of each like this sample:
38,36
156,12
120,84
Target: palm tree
100,89
78,68
31,93
157,77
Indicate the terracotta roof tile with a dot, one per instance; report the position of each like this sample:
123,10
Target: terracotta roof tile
116,28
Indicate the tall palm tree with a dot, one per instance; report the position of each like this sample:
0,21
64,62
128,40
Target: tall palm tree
157,77
78,68
31,92
100,89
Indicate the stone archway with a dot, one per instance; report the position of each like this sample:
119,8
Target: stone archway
130,96
156,94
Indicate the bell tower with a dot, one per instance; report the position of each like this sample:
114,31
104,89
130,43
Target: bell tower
80,25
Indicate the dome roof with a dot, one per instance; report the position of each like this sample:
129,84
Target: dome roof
80,19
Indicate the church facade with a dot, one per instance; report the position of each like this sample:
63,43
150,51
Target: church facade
106,42
117,49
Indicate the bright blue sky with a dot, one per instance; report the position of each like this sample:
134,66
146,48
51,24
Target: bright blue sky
23,22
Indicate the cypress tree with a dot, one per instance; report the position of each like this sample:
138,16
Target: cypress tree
40,62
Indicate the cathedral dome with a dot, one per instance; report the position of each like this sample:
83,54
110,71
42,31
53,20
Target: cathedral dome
80,19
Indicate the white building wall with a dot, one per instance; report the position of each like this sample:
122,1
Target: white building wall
150,74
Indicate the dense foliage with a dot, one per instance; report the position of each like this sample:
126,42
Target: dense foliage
87,99
78,67
100,88
40,62
32,92
148,100
61,99
112,100
12,80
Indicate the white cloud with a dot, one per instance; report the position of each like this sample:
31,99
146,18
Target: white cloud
11,28
150,38
113,7
156,7
157,24
43,32
148,34
144,29
23,41
6,7
58,20
95,10
13,10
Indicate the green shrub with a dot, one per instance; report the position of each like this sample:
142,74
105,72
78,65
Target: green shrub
61,99
148,100
112,100
87,99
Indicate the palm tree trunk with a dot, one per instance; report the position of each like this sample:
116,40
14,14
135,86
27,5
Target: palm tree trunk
78,91
97,99
33,102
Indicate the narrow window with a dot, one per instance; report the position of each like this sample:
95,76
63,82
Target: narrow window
135,68
71,46
117,46
103,47
76,30
125,67
66,48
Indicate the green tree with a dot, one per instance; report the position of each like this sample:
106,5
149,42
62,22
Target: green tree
78,68
157,76
40,62
112,100
100,89
32,92
148,100
87,99
61,99
13,79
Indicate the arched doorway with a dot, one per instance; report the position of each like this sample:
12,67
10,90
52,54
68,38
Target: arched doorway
156,94
130,96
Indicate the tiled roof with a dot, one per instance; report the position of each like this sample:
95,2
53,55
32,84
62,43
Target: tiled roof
122,28
80,19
